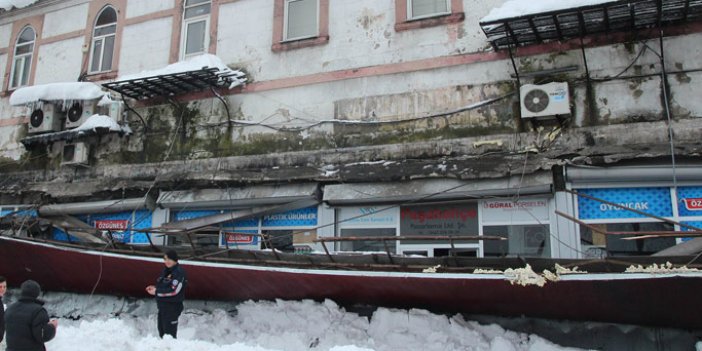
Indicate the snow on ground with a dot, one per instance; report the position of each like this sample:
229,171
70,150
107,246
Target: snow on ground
516,8
109,323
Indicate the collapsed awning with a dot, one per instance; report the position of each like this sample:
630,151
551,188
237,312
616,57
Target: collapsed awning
207,221
260,195
435,190
108,206
562,23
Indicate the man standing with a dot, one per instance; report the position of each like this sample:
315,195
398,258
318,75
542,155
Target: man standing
27,322
170,293
3,289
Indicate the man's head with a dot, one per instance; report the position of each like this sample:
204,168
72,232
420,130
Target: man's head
3,286
30,289
170,259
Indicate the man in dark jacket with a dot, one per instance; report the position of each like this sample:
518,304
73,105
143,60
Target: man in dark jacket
3,289
170,293
27,322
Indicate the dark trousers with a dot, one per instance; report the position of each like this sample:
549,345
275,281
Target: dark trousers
168,313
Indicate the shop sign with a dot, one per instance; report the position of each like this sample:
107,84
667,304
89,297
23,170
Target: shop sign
439,220
240,238
117,227
690,201
369,216
304,217
653,201
505,211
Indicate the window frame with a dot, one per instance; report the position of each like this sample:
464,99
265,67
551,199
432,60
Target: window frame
23,58
280,43
286,21
102,38
403,21
207,18
410,17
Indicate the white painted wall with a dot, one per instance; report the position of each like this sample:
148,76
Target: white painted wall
136,8
5,35
65,21
59,61
145,46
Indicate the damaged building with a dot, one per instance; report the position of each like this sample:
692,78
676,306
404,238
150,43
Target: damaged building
274,123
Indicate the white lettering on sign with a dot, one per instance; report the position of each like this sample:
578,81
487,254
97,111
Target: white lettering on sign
694,204
112,224
290,216
633,205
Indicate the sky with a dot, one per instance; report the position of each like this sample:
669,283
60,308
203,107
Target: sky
108,323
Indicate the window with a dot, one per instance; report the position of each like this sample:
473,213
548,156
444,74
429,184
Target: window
522,240
368,245
22,64
301,19
196,26
417,9
615,245
103,41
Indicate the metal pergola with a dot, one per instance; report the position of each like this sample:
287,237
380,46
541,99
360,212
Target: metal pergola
168,85
565,24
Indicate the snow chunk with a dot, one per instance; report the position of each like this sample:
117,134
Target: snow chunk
663,268
101,121
192,64
518,8
524,276
56,92
7,5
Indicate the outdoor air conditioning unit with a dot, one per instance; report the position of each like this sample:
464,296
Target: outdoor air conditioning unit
79,112
550,99
116,111
75,154
45,119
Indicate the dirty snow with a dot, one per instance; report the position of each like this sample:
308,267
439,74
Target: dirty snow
192,64
101,121
56,92
110,324
663,268
7,5
517,8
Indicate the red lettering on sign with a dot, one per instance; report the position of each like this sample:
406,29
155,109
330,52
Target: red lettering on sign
693,204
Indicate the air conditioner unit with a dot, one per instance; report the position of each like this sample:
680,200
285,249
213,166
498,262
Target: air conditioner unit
550,99
45,119
75,154
116,111
79,112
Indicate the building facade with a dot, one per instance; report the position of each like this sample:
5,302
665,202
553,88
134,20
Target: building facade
357,118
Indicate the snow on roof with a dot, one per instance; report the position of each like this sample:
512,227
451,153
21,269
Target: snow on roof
56,92
518,8
192,64
7,5
101,121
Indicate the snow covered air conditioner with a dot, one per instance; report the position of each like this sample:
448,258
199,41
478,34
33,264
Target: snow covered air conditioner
544,100
45,119
75,154
79,112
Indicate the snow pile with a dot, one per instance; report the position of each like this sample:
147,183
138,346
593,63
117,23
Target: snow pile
524,276
518,8
193,64
663,268
65,92
431,269
101,121
278,325
7,5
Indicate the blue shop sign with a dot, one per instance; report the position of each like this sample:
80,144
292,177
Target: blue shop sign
304,217
654,201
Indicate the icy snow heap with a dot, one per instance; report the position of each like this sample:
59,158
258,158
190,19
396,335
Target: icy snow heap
7,5
663,268
193,64
56,92
518,8
102,121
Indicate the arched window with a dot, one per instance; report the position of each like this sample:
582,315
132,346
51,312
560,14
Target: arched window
103,45
22,63
196,26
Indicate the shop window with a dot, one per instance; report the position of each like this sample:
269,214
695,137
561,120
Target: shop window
522,240
413,14
300,23
22,62
196,26
596,244
281,240
367,245
103,44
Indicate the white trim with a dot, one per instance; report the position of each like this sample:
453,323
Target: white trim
23,57
103,39
184,30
